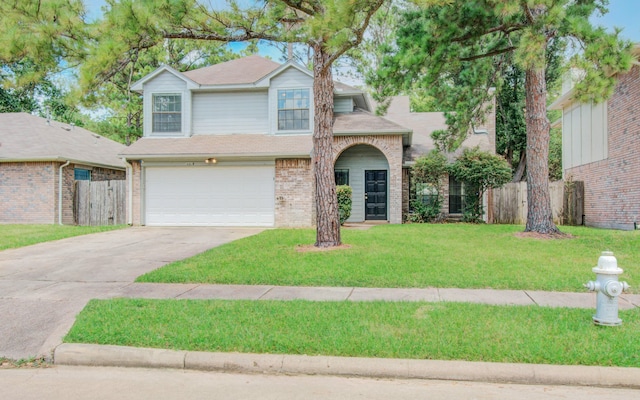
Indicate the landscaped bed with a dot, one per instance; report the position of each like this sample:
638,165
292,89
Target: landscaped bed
417,330
441,255
12,236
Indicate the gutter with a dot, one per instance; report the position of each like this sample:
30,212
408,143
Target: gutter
60,191
61,159
220,157
129,192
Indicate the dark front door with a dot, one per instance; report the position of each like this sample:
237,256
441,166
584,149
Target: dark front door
375,195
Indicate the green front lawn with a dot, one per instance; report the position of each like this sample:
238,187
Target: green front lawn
444,255
12,236
444,331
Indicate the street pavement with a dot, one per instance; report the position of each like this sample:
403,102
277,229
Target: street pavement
100,383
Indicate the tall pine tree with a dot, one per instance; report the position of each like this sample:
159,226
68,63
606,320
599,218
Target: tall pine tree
459,48
328,27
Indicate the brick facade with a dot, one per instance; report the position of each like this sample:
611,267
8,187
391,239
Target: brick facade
106,174
612,186
136,207
29,191
294,190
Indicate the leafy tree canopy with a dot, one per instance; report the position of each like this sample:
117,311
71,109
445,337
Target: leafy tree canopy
479,171
460,48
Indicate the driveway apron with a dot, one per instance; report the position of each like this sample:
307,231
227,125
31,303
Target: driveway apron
44,286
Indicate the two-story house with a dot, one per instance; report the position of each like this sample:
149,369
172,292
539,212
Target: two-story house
231,145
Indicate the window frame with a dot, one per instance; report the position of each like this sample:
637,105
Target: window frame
298,124
460,197
178,125
84,170
341,170
421,194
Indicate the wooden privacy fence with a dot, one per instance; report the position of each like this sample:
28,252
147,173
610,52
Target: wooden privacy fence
509,203
100,202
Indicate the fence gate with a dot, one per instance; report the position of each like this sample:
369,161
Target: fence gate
567,203
100,202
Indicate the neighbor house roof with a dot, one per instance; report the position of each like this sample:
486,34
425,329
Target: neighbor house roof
239,145
25,137
423,124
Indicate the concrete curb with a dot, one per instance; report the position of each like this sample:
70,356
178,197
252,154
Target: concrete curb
540,374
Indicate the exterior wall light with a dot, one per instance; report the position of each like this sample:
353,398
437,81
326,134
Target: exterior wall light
211,160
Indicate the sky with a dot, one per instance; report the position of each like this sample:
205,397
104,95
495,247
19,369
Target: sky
622,13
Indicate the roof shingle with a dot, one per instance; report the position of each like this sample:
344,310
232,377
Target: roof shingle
26,137
241,71
240,145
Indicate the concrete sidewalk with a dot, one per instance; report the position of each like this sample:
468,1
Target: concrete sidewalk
267,292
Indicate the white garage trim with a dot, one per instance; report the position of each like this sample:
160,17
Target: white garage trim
234,195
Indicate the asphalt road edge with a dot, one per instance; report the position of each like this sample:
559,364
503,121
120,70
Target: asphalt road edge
539,374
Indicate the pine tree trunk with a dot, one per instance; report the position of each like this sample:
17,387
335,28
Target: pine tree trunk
539,216
327,218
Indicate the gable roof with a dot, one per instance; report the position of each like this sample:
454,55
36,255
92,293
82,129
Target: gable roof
138,85
243,70
361,122
25,137
246,72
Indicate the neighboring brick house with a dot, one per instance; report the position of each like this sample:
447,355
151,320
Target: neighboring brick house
38,157
231,144
600,146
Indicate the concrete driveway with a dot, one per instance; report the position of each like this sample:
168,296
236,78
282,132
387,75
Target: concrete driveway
44,286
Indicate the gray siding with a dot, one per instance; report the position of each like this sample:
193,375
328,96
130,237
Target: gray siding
343,105
358,159
167,83
584,134
288,79
230,112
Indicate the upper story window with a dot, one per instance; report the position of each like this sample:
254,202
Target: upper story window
293,109
167,113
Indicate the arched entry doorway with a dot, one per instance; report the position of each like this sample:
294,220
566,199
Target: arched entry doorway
366,170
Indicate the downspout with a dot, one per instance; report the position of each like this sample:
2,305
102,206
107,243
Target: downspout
130,192
60,191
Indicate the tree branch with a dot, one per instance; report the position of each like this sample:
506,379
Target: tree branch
507,29
359,32
489,54
527,12
297,5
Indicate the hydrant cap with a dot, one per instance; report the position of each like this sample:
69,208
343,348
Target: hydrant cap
607,262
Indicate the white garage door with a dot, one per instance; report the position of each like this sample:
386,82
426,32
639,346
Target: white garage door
210,196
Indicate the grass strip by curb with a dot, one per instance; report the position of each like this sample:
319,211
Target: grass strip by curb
415,330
